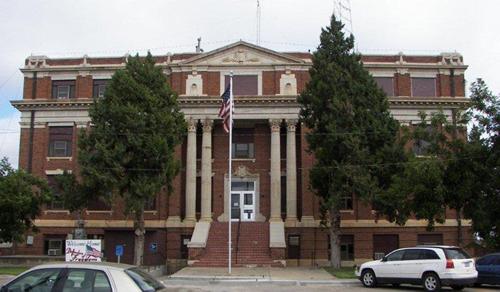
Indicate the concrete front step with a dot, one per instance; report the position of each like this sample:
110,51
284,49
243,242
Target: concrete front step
249,247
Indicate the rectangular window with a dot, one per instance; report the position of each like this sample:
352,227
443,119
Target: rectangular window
60,139
346,203
386,84
243,144
423,87
98,204
293,246
99,87
57,202
150,204
243,84
347,247
421,145
63,89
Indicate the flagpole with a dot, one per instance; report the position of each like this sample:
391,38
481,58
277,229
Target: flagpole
230,162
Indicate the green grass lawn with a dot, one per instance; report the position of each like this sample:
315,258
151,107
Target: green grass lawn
342,273
12,270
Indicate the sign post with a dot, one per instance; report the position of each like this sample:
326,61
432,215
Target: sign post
119,251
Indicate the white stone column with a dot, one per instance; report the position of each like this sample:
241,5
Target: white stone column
275,171
291,172
206,171
191,172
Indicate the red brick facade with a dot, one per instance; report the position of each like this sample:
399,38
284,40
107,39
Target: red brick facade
115,227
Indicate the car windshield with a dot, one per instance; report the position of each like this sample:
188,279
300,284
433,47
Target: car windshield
456,254
143,280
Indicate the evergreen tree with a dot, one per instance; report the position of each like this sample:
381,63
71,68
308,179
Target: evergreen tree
129,149
353,136
21,198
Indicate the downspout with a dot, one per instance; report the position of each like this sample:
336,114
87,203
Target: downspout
32,125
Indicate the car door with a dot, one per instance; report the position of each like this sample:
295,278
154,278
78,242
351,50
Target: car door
388,267
495,277
411,264
37,280
483,267
85,280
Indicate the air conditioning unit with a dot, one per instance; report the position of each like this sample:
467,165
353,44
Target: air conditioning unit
54,252
379,255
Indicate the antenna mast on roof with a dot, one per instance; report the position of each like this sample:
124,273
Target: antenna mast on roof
342,11
258,23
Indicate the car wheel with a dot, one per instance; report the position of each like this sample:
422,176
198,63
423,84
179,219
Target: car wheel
368,279
457,287
431,282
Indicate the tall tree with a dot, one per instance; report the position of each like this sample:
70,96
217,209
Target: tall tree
485,111
352,132
21,198
129,150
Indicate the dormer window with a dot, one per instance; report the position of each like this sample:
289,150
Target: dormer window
63,89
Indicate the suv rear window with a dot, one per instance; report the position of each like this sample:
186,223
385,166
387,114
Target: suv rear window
145,282
455,254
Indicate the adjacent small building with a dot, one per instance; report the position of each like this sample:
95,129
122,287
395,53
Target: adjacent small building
276,215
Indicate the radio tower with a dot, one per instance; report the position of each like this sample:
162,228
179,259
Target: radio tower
342,10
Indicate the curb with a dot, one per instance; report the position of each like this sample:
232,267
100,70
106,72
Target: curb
257,280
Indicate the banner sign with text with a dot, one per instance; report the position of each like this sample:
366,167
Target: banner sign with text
83,250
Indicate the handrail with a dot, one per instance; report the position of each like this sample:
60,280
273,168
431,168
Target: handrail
238,236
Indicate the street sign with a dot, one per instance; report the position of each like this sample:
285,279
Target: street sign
119,250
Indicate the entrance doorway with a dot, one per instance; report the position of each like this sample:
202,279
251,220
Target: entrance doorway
243,201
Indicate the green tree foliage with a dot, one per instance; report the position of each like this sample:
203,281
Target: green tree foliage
129,150
21,198
352,132
465,176
484,141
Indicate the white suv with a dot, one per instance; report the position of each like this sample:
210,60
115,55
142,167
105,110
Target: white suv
430,266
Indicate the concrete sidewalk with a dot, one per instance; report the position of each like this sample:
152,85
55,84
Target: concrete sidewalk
291,275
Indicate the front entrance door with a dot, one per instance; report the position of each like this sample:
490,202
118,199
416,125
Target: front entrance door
243,206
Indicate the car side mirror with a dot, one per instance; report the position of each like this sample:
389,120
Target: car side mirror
384,259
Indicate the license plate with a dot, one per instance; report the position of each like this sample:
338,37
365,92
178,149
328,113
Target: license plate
467,264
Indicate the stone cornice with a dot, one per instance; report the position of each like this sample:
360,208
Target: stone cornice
210,101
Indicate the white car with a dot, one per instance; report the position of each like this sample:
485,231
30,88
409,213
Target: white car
429,266
83,277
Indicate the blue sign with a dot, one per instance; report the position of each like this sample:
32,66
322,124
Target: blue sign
153,247
119,250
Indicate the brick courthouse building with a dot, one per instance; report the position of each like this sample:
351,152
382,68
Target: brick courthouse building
277,215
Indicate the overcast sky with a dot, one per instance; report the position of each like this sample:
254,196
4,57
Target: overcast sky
96,27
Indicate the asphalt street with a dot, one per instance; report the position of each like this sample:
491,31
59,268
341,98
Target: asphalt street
202,286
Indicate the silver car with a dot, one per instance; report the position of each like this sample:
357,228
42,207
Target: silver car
83,277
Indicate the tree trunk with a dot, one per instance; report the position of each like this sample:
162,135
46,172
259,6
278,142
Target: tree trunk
335,238
459,227
140,232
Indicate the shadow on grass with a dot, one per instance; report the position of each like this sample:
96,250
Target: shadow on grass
342,273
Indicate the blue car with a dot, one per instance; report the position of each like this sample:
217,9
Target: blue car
488,268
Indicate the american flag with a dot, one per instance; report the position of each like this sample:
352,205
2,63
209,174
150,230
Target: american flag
225,108
89,250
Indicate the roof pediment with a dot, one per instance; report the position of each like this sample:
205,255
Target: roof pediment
241,53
